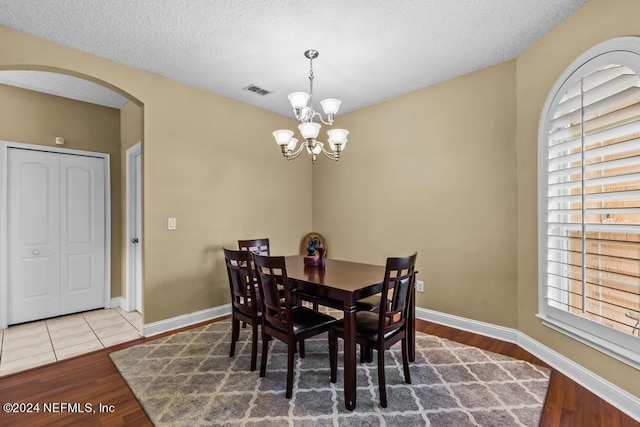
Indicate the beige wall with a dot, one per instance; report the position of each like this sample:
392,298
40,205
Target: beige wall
131,119
432,171
208,161
537,71
37,118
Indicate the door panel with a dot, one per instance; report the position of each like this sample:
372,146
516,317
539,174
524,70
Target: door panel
34,235
36,272
38,203
82,233
77,189
79,268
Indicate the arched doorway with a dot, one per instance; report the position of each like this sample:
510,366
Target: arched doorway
27,88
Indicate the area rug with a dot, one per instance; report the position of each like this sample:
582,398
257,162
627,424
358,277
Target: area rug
188,379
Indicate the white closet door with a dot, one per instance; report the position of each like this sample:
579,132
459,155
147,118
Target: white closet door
57,234
34,235
82,232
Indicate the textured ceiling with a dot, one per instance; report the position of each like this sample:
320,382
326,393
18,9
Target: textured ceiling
370,50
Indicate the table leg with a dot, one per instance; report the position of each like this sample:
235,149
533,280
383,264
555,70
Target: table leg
350,357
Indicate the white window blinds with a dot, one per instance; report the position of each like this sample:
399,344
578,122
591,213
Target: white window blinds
590,190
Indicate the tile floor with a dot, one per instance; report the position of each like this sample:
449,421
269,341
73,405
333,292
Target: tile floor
44,341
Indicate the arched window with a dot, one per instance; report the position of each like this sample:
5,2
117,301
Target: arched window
589,200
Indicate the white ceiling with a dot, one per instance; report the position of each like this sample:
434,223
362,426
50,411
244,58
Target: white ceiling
370,50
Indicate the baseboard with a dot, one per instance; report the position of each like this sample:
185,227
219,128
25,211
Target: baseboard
621,399
486,329
177,322
117,302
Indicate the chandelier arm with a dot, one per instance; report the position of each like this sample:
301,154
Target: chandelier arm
332,155
296,154
328,123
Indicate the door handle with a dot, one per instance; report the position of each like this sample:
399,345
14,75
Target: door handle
35,252
135,240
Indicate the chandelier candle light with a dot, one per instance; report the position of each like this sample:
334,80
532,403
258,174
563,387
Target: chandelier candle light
302,104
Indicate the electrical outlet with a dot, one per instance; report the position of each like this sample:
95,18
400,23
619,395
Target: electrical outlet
420,286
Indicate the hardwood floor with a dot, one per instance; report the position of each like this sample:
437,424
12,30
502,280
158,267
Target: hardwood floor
92,379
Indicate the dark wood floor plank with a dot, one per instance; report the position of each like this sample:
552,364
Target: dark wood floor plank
89,379
94,379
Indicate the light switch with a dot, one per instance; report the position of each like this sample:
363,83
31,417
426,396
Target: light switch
171,224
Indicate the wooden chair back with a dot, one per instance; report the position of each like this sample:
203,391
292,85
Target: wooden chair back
260,246
399,277
270,272
241,282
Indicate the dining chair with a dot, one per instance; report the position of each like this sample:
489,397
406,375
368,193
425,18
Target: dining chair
246,305
282,319
381,330
261,246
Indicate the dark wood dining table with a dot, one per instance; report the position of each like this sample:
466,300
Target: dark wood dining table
342,284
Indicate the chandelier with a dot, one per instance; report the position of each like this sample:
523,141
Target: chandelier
302,104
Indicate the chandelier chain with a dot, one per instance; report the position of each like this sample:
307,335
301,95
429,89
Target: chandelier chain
311,82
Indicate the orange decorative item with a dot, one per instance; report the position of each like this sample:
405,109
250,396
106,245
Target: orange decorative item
310,248
307,239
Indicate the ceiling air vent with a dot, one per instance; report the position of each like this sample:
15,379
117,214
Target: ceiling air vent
256,89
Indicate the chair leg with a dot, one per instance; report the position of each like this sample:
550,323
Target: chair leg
366,354
254,346
405,361
290,357
333,355
235,334
265,349
382,386
302,349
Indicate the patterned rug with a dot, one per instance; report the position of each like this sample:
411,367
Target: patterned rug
188,379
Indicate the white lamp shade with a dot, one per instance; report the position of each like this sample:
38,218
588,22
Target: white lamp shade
338,136
298,99
309,130
330,105
283,136
292,145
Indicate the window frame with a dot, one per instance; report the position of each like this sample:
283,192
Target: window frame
607,340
